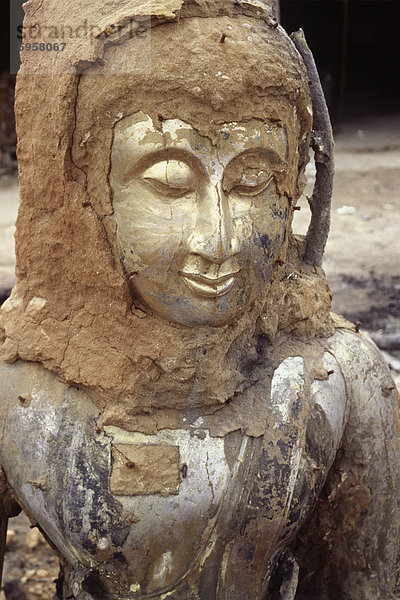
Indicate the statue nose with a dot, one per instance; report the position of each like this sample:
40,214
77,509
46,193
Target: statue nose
214,237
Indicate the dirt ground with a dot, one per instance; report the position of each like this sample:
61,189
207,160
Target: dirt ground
361,261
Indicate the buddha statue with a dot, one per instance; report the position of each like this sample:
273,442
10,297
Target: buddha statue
182,415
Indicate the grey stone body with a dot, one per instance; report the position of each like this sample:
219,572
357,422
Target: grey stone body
244,506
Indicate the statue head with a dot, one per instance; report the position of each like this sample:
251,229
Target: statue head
207,149
159,169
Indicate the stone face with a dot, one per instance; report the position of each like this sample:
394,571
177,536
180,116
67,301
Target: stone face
199,225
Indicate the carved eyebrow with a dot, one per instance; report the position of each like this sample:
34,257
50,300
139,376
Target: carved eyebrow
259,152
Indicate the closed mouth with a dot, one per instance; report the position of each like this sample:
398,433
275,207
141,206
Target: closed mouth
209,287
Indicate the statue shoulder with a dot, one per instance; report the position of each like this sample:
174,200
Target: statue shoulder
362,364
22,374
22,381
372,435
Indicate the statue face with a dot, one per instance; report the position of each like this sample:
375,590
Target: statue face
198,225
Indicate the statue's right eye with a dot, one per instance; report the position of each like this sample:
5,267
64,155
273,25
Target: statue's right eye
172,178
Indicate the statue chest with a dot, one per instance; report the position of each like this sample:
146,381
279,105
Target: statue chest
179,514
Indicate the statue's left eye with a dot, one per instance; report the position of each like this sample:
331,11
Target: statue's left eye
172,178
252,182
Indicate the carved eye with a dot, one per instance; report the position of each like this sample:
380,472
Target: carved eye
252,182
172,178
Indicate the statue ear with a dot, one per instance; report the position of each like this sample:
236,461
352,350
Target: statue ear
322,144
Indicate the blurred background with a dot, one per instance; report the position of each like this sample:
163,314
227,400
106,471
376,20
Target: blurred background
357,50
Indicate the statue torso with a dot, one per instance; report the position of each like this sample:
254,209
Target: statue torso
179,514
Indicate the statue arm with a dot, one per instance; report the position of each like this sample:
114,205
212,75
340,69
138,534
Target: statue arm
349,550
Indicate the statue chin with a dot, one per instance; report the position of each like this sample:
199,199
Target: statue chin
193,303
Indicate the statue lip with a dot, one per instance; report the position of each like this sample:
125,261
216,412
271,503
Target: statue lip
209,287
